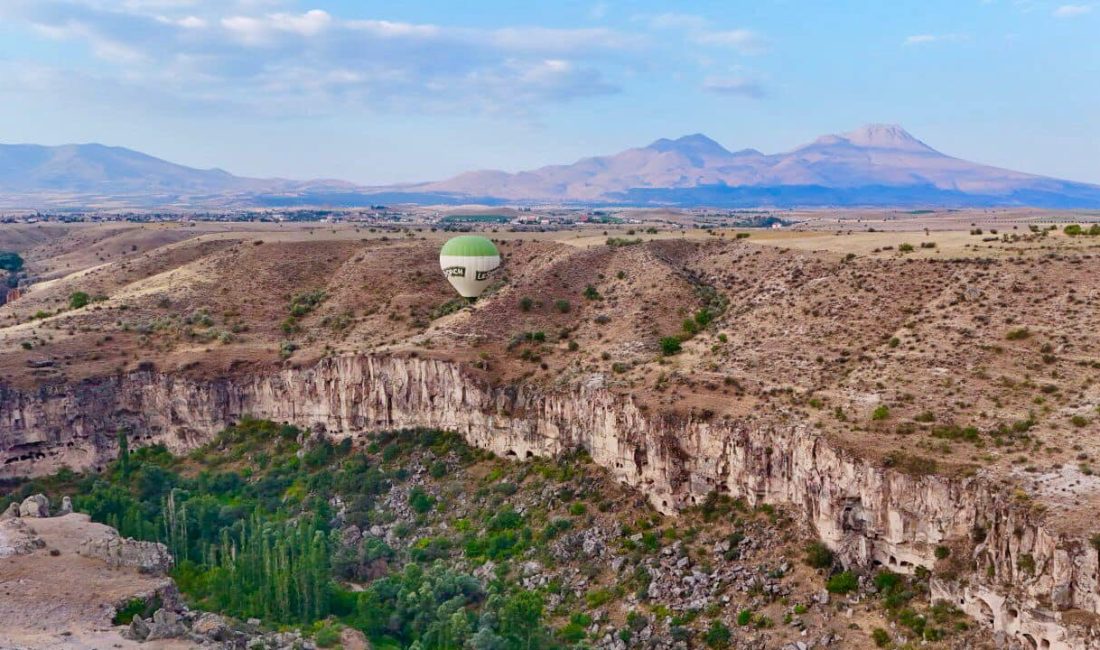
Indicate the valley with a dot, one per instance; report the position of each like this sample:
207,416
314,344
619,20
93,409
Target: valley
808,370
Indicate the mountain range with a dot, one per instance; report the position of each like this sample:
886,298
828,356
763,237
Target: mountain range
875,165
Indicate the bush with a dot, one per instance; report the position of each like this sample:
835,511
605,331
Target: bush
942,552
327,637
905,248
134,607
590,293
718,635
842,583
525,304
421,501
880,637
744,617
670,345
1018,334
819,556
78,299
881,412
562,306
887,581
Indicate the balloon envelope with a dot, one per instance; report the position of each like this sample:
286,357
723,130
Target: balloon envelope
467,261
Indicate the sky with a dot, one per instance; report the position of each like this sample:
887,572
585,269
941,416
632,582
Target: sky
384,92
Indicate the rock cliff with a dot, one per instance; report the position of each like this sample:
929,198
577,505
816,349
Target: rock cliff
1035,587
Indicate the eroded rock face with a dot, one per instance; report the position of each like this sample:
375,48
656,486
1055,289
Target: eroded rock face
148,557
866,513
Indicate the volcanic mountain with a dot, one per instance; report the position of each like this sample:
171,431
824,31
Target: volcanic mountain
875,165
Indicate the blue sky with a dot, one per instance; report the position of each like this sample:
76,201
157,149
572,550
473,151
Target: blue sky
380,92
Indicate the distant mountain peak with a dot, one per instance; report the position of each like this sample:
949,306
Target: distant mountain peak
695,144
877,136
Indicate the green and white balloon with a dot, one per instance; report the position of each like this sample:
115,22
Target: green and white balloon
468,261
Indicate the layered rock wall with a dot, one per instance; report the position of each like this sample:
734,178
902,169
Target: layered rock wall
1037,588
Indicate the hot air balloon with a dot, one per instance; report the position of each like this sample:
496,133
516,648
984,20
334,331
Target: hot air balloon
467,261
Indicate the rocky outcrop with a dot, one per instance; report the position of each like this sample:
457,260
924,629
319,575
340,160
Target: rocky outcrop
1034,585
148,557
16,538
35,506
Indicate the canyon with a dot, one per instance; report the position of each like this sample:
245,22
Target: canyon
992,552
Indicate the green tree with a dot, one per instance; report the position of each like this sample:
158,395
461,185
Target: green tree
123,453
11,261
520,618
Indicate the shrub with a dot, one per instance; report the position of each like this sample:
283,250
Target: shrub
819,556
327,637
887,581
438,469
562,306
880,637
1018,334
718,635
126,613
842,583
525,304
942,552
670,345
590,293
421,501
744,617
881,412
905,248
598,597
78,299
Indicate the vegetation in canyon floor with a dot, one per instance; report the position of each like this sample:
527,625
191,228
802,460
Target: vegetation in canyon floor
421,541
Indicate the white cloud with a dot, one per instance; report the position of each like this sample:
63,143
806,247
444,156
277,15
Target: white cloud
743,40
1072,11
698,29
255,56
735,85
925,39
191,22
690,22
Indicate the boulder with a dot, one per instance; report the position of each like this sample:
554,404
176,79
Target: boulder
138,630
11,513
353,639
166,625
66,506
147,557
211,626
35,506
